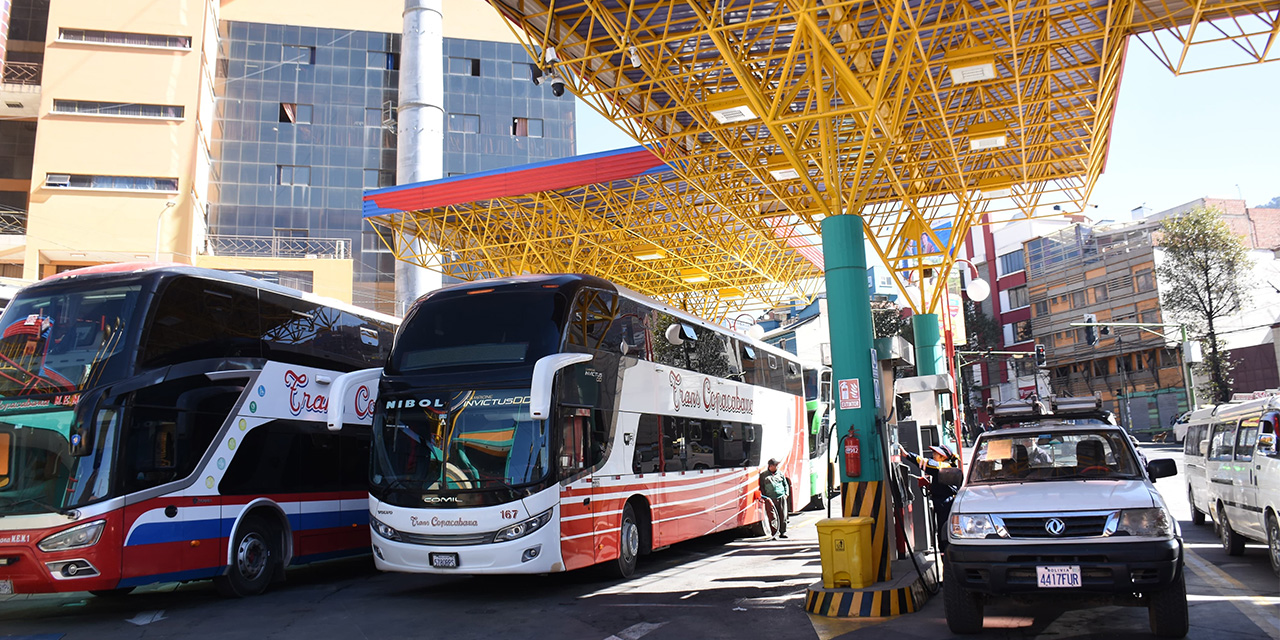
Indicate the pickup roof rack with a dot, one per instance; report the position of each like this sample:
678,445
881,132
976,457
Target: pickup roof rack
1051,408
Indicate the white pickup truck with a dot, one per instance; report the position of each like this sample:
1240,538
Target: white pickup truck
1063,511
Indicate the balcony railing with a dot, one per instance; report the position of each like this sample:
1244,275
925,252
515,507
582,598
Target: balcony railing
278,247
22,73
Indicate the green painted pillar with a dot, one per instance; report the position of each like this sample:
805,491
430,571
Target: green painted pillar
849,317
930,356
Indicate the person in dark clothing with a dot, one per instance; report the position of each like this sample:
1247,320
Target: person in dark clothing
776,488
940,468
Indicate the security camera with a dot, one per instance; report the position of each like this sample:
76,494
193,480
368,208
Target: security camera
537,74
549,56
557,86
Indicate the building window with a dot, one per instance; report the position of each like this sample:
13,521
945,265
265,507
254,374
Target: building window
1042,308
295,113
1016,332
1010,263
1018,297
1102,367
1100,293
377,178
292,174
1144,280
119,109
113,183
123,39
1024,367
383,60
526,127
464,66
299,54
1169,358
1077,300
521,70
464,123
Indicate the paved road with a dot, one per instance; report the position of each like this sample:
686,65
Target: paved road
721,587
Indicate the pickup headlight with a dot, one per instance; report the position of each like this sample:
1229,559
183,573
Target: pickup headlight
974,525
522,529
1150,523
384,530
84,535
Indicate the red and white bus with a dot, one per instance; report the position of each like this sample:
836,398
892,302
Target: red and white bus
166,423
544,423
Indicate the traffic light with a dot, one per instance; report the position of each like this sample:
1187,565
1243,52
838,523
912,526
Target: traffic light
1041,358
1090,332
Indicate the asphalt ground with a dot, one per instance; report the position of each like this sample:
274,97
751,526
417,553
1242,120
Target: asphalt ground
722,586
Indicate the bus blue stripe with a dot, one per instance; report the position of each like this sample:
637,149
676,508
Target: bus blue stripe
175,576
161,532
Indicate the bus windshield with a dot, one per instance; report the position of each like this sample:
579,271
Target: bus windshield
64,340
461,440
1030,457
479,330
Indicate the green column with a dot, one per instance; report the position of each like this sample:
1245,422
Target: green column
849,317
929,352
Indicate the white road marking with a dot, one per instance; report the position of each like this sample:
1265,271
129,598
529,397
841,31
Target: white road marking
147,617
635,631
1250,605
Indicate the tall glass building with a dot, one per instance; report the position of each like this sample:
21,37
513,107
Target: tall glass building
306,121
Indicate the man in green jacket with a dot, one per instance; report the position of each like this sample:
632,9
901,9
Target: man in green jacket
777,489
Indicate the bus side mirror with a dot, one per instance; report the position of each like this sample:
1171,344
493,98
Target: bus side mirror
544,373
339,390
84,422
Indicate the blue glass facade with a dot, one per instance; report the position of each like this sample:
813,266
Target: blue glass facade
305,124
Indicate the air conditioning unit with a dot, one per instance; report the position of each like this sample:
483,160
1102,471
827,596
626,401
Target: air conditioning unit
57,180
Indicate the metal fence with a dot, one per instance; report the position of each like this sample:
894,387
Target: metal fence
13,223
22,72
278,247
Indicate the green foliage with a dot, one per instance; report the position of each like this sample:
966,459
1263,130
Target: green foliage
1216,359
983,332
1206,278
888,321
1274,203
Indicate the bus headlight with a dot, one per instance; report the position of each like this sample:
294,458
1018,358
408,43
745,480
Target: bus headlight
974,525
522,529
1150,523
383,529
84,535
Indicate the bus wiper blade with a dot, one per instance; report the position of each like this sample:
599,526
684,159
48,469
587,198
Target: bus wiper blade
67,513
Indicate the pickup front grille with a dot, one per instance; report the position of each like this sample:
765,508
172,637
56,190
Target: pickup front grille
1080,525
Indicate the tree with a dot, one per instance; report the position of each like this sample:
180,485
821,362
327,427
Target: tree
984,333
1274,203
1205,273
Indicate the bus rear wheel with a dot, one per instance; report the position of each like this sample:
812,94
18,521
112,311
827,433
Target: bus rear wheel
628,544
255,555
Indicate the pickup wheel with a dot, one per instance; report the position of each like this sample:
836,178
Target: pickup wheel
1197,516
1232,542
1167,609
964,609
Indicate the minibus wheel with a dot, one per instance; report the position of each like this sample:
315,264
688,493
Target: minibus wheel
1232,542
1273,542
1197,516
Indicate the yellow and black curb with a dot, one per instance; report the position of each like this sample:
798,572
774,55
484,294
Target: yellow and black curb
907,594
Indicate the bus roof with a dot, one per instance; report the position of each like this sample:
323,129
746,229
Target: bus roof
119,269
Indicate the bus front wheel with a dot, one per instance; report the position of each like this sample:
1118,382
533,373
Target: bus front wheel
254,556
628,544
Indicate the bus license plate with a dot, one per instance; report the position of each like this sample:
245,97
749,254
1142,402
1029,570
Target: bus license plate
1058,577
6,587
444,560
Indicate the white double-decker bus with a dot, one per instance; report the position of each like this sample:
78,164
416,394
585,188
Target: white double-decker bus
546,423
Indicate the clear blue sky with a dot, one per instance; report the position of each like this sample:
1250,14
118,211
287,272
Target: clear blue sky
1175,138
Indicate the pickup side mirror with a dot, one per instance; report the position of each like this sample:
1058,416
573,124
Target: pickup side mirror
1162,468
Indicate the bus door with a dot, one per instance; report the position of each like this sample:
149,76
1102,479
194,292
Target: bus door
581,497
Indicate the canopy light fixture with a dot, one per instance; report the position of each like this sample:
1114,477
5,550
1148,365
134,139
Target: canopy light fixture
988,135
730,293
973,64
784,174
693,276
998,187
728,107
651,252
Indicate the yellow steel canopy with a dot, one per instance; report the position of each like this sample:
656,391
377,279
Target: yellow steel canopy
916,114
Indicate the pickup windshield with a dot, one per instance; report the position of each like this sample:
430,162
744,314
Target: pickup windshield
1059,455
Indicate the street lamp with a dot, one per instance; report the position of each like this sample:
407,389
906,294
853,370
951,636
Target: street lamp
978,288
160,225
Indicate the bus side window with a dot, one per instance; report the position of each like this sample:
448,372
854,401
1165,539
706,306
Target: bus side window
196,319
170,428
648,455
750,370
674,445
573,433
1191,441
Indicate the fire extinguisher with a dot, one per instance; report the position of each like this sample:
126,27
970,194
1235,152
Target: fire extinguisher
852,456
